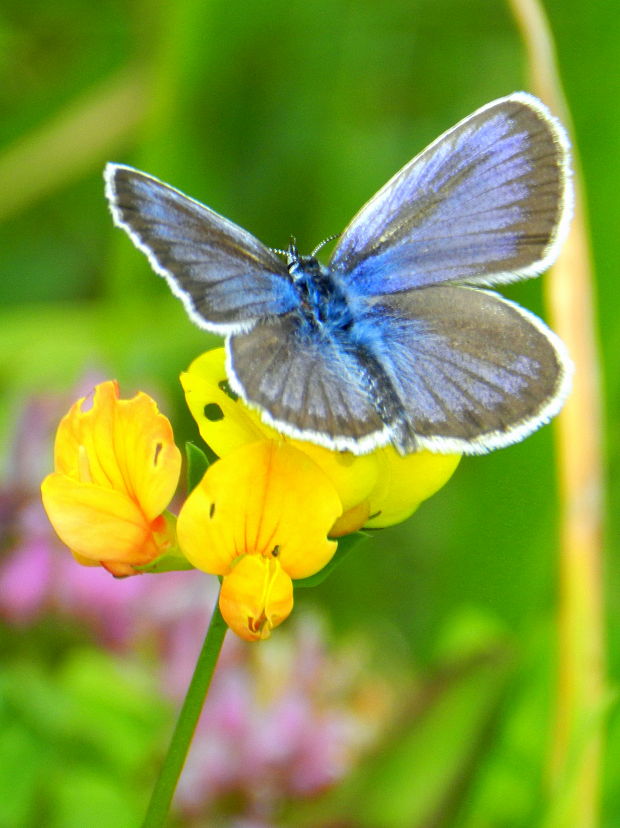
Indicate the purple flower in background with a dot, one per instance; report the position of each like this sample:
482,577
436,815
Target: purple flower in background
282,721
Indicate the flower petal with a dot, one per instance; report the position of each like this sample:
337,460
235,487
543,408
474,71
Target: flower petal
256,597
224,424
353,476
205,527
96,523
404,482
124,445
351,520
265,498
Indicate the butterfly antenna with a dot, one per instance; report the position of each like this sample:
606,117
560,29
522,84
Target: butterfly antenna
323,243
290,252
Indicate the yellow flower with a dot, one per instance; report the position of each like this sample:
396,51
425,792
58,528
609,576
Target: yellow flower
264,513
116,470
259,518
255,597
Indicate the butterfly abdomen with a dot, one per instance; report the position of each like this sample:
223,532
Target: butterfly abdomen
384,398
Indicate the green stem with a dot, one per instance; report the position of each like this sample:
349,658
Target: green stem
170,772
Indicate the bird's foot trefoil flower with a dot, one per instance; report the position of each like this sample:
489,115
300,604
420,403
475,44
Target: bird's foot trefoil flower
116,470
269,510
259,518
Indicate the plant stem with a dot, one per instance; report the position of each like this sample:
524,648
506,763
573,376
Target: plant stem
577,743
170,772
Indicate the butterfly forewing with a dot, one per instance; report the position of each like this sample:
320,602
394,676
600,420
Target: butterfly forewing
226,278
487,202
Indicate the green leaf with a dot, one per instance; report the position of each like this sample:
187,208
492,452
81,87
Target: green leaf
345,545
198,462
172,561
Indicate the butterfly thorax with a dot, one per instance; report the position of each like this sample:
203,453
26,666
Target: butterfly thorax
322,300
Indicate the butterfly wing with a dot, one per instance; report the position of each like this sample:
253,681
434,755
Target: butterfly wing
473,371
225,277
305,384
489,201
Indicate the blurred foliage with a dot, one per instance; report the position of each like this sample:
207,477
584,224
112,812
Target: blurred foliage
76,742
285,116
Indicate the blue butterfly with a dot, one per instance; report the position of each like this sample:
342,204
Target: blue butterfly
395,340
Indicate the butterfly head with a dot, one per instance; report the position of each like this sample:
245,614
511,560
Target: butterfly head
301,267
307,264
292,253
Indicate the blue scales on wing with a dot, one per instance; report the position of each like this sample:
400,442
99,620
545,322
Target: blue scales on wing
225,276
471,370
487,202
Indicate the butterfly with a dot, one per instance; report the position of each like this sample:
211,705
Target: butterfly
398,338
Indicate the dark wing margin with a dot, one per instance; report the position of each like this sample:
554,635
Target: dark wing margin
304,385
225,277
488,202
473,371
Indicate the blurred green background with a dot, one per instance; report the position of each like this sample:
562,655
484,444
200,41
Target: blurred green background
286,117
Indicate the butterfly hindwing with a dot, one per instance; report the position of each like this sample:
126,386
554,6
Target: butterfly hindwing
489,201
225,277
305,384
473,371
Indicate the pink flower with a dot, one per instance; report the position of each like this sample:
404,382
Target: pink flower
280,722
